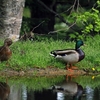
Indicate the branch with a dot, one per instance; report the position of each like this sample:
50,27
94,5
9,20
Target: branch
74,27
60,17
61,29
77,5
74,4
37,26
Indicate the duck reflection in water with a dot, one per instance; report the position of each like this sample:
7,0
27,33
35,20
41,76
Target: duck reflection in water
4,91
69,88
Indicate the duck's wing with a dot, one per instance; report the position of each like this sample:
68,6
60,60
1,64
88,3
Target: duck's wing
63,52
69,88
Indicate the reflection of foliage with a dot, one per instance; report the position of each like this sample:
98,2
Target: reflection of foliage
37,83
92,80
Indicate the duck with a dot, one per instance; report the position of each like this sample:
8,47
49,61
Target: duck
70,56
5,52
70,88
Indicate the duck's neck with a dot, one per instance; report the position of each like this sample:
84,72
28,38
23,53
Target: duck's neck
5,45
76,47
81,54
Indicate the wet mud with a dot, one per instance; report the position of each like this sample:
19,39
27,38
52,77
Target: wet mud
41,72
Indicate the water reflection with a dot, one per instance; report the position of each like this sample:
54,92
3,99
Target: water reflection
92,93
97,93
60,96
45,94
77,88
70,89
18,92
89,93
24,92
4,91
62,91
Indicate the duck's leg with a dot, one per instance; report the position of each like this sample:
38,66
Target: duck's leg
7,63
73,67
69,67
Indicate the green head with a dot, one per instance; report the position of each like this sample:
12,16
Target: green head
78,44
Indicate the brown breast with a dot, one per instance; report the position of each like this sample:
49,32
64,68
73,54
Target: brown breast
5,53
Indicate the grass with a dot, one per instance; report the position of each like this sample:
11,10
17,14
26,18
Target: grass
31,54
92,53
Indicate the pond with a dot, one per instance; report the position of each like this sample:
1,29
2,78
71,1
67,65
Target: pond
50,88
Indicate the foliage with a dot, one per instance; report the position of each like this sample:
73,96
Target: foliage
26,25
91,54
87,22
27,12
90,21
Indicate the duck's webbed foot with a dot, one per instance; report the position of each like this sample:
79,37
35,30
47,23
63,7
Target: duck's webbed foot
70,67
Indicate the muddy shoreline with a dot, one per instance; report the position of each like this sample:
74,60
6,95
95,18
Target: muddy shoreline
41,72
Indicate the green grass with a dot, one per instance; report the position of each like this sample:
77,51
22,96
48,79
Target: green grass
92,54
36,54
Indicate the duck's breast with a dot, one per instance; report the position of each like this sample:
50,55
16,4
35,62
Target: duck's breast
71,58
70,88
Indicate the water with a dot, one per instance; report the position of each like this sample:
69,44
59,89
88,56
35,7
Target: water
50,88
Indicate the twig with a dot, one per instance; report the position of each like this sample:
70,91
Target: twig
37,26
61,29
75,27
67,10
74,4
77,5
59,16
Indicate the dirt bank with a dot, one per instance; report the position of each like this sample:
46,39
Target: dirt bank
41,72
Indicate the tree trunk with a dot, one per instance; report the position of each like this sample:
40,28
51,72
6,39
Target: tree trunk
11,12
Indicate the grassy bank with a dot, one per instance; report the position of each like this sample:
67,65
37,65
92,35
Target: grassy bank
36,54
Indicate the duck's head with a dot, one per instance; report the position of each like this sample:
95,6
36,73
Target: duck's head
8,42
78,44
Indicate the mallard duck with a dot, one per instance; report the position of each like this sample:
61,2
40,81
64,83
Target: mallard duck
69,88
70,56
5,52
